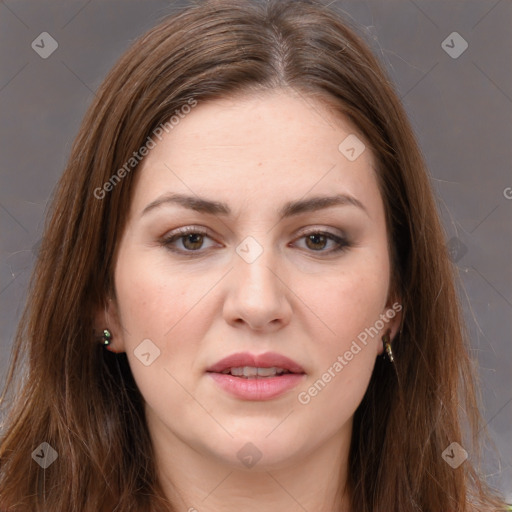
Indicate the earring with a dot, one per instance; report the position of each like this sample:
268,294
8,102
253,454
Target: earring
107,337
386,341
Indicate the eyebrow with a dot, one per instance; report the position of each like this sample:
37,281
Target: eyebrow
290,209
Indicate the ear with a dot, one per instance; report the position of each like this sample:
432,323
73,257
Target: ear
392,316
108,318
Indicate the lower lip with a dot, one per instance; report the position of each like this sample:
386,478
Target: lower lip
257,389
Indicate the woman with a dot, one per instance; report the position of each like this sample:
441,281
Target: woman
243,298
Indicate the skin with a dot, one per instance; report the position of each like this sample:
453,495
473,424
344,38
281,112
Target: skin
255,153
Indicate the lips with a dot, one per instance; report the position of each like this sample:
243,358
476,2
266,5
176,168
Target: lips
259,377
246,365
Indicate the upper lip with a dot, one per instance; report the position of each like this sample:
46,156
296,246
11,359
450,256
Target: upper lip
266,360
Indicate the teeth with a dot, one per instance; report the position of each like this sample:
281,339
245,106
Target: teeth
251,372
266,372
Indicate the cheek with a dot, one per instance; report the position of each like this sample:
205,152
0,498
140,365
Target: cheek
163,307
350,307
152,300
350,301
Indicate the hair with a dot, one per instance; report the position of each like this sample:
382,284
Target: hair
83,400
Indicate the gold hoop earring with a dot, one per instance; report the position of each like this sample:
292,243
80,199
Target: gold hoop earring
386,341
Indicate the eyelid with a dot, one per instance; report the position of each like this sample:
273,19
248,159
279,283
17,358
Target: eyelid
320,229
181,232
202,230
187,229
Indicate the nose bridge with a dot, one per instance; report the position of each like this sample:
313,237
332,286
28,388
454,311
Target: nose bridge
255,265
258,296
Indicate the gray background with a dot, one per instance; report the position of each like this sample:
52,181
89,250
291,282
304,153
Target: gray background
461,110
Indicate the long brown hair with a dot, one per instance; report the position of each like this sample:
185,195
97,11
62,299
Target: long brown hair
83,401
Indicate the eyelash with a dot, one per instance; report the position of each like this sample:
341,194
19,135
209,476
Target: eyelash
342,243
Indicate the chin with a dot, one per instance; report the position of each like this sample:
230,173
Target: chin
256,450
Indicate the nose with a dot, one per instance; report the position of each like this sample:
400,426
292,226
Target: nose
258,295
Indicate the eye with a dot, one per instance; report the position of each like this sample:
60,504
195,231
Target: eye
316,241
192,239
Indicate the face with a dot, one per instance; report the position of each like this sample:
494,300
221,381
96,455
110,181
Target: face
262,273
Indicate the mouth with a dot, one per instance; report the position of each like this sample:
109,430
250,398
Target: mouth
256,377
252,372
246,365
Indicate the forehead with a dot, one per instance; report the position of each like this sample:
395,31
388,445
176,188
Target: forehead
259,147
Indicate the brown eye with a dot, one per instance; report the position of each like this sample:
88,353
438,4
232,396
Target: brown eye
194,239
317,241
190,239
